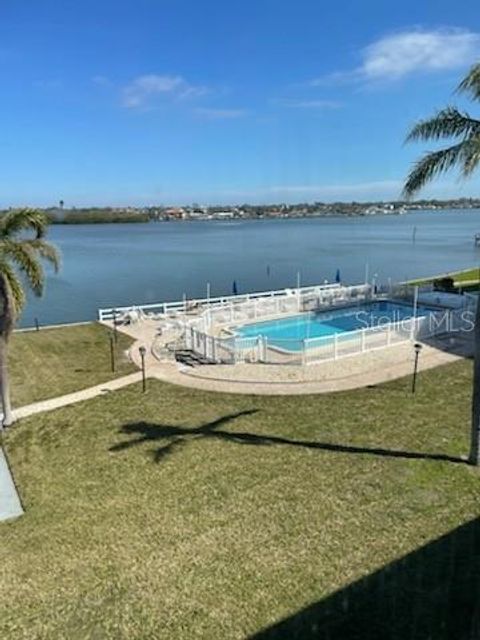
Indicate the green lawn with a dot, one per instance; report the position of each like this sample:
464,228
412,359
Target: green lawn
466,278
183,514
52,362
468,275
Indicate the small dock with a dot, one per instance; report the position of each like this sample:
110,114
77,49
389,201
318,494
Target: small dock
477,239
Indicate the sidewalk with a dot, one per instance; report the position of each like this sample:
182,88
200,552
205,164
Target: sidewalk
77,396
10,506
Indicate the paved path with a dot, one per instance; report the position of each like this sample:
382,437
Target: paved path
77,396
10,506
205,377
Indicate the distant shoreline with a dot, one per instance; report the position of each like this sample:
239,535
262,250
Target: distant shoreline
78,219
195,213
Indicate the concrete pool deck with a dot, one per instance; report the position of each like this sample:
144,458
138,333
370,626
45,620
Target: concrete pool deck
362,370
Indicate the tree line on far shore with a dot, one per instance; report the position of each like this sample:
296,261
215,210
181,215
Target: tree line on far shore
92,216
95,216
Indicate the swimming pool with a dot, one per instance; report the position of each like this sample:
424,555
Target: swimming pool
290,332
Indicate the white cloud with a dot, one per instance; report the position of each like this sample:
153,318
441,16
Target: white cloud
143,88
221,114
400,54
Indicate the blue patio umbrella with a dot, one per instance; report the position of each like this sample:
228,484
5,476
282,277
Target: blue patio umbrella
234,288
337,276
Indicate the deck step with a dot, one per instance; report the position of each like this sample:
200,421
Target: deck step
191,359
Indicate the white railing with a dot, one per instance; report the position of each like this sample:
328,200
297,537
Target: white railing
186,306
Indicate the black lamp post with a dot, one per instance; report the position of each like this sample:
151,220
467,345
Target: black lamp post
115,325
143,351
112,352
417,347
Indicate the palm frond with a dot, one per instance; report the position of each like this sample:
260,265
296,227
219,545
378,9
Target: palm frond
12,298
471,83
23,220
447,123
471,156
25,259
46,251
431,165
464,155
15,289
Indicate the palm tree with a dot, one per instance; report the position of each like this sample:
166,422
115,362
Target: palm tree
463,154
22,249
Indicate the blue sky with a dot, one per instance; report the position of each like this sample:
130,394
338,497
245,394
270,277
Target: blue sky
173,101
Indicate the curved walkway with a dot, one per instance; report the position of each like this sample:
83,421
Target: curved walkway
370,368
209,377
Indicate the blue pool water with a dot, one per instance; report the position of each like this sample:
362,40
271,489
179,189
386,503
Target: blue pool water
289,333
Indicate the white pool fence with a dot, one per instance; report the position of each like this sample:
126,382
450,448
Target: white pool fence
198,319
236,349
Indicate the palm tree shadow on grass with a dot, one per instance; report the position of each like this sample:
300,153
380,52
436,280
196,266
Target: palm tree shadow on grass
173,438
